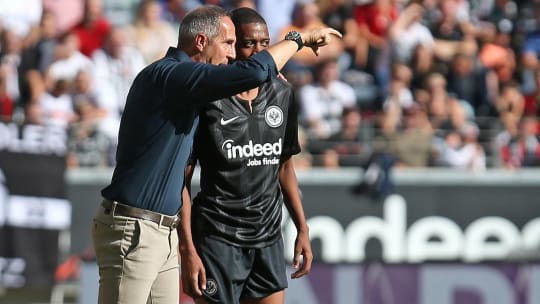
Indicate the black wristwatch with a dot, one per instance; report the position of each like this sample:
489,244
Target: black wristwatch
296,37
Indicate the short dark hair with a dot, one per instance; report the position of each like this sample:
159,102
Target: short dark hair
202,20
245,15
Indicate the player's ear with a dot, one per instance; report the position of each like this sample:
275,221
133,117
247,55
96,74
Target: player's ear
201,41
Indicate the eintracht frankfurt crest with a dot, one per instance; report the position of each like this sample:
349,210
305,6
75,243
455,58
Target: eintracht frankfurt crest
273,116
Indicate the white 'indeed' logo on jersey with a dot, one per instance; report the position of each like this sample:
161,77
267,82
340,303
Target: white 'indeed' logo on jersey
251,150
273,116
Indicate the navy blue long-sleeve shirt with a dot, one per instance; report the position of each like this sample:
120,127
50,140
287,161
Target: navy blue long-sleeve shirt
160,119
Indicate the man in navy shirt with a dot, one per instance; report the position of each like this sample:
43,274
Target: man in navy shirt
134,231
231,245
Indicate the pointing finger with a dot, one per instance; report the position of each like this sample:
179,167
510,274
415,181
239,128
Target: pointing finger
335,32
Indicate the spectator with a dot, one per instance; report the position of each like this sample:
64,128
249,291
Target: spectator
33,114
410,141
347,143
6,102
20,16
400,95
398,99
37,55
338,14
173,11
511,103
446,112
470,84
530,54
278,14
87,145
119,13
93,28
407,33
10,61
84,92
460,149
149,34
323,102
56,106
423,64
407,141
83,89
374,21
115,67
522,150
306,16
68,13
532,100
452,32
45,47
68,62
496,54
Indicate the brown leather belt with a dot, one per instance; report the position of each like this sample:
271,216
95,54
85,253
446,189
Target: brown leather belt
125,210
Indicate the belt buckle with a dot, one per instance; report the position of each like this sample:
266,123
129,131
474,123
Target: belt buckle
111,210
175,222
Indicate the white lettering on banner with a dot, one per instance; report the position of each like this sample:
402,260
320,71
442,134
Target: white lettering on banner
476,247
485,238
3,198
531,234
36,139
12,272
450,246
37,212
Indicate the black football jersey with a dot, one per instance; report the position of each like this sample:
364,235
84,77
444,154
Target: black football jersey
239,152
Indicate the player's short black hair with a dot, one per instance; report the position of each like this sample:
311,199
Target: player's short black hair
245,15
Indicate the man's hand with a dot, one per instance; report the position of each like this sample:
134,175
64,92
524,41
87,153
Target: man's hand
302,248
317,38
193,274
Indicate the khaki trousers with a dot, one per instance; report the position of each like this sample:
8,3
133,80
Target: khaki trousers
137,260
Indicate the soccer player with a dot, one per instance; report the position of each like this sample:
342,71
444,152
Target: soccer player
231,248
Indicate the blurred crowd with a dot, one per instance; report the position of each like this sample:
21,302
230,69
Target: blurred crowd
445,83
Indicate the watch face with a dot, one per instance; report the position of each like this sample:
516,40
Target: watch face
296,37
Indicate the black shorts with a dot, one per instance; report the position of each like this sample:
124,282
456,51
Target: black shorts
234,273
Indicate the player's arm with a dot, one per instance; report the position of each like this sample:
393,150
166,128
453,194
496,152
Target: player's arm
192,270
291,195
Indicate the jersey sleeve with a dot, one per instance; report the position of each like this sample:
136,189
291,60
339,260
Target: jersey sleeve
290,142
